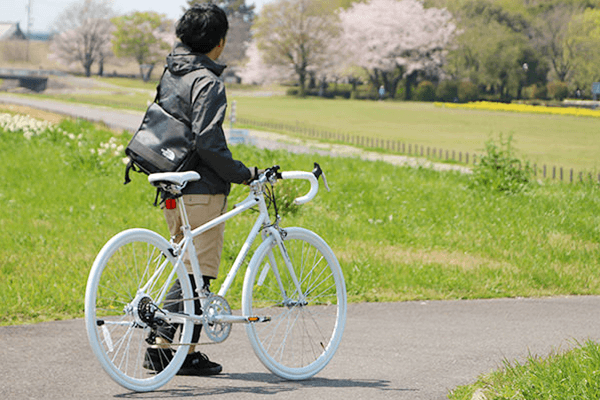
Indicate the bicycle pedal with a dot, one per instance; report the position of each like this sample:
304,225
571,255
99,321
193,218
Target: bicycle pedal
254,320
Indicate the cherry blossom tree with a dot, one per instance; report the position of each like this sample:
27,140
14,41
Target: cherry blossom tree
256,72
84,34
293,34
392,40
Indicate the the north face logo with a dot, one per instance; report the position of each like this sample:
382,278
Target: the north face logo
168,153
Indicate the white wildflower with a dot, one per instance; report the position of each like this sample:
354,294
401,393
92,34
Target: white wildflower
22,123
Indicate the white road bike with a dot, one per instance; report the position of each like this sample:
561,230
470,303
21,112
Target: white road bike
293,298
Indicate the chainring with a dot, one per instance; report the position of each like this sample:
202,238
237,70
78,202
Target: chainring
216,331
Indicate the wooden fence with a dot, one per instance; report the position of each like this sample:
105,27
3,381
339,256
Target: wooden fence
413,149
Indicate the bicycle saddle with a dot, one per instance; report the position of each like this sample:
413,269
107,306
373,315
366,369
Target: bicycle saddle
176,178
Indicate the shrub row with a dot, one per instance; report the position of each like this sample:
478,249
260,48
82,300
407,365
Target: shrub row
462,92
445,91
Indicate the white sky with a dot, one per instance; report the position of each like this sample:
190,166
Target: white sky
45,12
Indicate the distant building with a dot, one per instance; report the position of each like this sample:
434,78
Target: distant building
40,36
11,31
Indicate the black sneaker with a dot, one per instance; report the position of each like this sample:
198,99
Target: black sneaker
198,364
157,359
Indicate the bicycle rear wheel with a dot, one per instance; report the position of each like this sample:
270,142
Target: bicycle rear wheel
126,309
306,326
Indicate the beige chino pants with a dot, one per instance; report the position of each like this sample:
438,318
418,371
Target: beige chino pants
201,208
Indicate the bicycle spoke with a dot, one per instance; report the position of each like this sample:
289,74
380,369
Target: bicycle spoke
306,326
125,313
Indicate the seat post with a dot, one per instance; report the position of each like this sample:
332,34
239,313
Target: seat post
185,222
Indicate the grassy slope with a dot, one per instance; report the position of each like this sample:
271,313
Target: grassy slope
560,376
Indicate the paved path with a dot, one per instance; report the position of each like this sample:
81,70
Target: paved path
411,350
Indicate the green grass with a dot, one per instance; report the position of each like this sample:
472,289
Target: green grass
561,376
400,233
570,142
129,83
132,100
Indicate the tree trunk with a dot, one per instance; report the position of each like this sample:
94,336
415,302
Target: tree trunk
87,65
395,81
302,81
354,93
101,67
88,70
408,83
146,71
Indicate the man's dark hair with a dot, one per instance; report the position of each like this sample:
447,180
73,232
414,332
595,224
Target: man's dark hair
202,27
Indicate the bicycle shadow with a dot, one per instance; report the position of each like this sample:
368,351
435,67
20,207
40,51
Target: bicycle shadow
266,384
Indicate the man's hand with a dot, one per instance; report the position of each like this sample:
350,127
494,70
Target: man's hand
254,174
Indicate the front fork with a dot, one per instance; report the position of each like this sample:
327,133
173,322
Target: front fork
279,235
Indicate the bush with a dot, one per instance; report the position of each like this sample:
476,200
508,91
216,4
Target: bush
537,92
425,91
558,90
447,91
401,93
467,91
499,170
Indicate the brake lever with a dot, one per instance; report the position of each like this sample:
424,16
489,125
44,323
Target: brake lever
273,171
317,172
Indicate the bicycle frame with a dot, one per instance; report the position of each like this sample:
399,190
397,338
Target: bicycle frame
255,198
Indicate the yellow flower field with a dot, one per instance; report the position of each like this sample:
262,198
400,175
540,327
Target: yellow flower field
523,108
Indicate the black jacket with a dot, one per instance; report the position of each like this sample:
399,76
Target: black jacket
192,91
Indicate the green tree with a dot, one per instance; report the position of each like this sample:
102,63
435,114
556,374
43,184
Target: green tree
584,31
494,50
550,37
144,36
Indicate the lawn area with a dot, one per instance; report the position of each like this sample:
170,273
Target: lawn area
567,141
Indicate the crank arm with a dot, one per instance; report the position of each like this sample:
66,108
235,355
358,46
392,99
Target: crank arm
234,319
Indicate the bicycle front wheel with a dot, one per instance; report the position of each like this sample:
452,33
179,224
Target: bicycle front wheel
299,293
134,305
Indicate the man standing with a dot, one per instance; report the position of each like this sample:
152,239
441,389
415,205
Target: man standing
192,91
